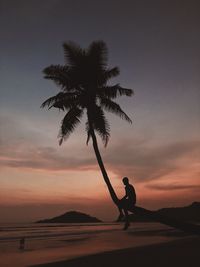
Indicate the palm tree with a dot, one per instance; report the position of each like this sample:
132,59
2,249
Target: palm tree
83,81
84,87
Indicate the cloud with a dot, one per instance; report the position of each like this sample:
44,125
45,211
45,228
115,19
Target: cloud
24,146
44,158
168,187
137,158
145,162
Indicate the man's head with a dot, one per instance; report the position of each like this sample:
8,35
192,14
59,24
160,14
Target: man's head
125,180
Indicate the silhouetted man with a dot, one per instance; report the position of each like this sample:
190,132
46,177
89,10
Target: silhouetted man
127,202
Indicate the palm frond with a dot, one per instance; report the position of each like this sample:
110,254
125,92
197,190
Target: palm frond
87,128
111,73
59,74
73,53
98,53
99,124
69,123
114,91
52,100
61,100
115,108
54,70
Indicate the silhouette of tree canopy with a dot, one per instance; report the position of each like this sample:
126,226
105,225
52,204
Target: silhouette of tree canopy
84,86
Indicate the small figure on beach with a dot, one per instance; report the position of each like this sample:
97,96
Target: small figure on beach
22,243
127,202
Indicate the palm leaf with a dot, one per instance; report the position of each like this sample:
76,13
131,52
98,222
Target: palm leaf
60,75
114,91
61,100
111,73
98,53
69,123
52,100
73,54
115,108
99,124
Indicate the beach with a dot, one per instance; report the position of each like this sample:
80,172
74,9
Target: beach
94,245
179,253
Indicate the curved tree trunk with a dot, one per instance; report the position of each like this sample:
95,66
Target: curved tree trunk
101,166
103,170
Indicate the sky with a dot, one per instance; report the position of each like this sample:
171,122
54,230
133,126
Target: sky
156,46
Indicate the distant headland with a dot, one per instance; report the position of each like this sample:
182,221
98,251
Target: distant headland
71,217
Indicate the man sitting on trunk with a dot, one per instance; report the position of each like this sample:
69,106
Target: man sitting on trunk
127,202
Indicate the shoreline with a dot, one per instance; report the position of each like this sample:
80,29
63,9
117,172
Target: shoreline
182,252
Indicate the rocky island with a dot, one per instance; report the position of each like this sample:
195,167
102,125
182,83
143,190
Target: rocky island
71,217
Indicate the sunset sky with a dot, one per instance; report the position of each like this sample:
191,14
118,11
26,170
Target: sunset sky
156,45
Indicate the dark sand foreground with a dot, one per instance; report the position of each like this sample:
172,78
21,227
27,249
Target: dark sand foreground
178,253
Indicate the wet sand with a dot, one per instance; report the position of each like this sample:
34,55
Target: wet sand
178,253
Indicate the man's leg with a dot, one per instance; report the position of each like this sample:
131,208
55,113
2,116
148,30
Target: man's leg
120,208
127,222
121,215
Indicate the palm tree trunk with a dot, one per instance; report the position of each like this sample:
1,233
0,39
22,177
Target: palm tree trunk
102,168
